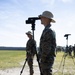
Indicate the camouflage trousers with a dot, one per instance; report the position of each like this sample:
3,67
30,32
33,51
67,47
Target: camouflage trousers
30,63
74,53
46,67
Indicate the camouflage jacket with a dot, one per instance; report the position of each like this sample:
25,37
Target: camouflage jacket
47,43
31,46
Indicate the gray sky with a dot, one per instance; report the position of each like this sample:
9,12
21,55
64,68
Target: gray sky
14,13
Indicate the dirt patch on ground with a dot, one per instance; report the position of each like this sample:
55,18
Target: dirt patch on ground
16,71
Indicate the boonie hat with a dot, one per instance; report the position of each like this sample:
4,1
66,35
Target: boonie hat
47,14
29,32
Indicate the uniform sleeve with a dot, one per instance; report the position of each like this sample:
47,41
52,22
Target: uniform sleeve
31,45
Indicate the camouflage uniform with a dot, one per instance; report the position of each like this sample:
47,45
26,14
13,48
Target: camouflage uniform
74,50
47,50
30,52
70,50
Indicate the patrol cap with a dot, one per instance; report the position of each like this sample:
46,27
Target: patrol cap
48,15
29,33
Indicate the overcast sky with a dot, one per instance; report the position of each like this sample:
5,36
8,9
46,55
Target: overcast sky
14,13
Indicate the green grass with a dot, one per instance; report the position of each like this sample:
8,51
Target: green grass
11,58
64,65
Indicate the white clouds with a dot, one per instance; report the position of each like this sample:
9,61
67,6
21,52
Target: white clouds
65,24
66,1
12,26
14,13
49,2
53,2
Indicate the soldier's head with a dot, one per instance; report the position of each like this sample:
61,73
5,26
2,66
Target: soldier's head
46,18
29,34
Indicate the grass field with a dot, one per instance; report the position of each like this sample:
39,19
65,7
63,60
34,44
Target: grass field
64,65
9,59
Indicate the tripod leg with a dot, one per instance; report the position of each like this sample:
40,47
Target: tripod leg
63,64
59,65
73,60
23,67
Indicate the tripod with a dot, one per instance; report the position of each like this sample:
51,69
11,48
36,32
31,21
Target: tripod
32,21
33,28
65,54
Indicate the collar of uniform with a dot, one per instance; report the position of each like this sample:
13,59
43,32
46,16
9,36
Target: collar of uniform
48,26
